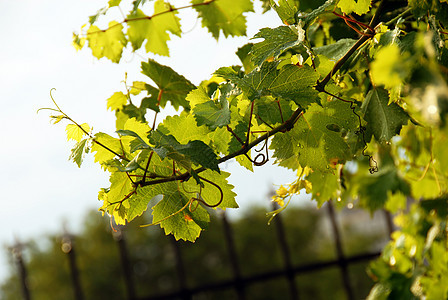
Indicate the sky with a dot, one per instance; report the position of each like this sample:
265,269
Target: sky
40,189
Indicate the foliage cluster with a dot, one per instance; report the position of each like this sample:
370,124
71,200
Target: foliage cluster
351,94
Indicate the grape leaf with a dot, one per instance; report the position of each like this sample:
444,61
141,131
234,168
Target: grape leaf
153,29
290,82
102,154
194,151
76,133
268,111
336,50
138,203
324,185
287,10
113,3
107,43
184,129
174,87
384,120
246,58
375,189
359,7
224,15
210,194
78,152
207,112
311,140
389,68
117,101
184,224
276,41
308,18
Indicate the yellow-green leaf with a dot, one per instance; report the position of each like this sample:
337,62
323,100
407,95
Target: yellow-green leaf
359,7
107,43
389,68
76,133
153,29
116,101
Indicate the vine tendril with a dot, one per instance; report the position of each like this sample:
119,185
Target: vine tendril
373,165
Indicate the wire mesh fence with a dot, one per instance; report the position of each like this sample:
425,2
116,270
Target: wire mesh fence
238,284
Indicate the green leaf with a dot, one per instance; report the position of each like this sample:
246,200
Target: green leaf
78,152
210,194
174,87
136,144
310,17
153,29
200,153
336,50
138,203
375,188
384,120
325,186
95,17
195,151
312,143
224,15
276,41
184,128
246,58
117,101
359,7
291,82
102,154
76,133
113,3
286,10
182,222
209,113
107,43
272,112
389,68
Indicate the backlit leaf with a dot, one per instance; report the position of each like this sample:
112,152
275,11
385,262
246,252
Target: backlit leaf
76,133
117,101
276,41
385,120
291,82
170,210
224,15
78,152
153,29
174,87
311,142
287,10
102,154
359,7
108,43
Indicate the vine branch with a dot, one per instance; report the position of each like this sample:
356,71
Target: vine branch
171,9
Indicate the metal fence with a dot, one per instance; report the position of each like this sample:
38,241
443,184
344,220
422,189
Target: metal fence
238,282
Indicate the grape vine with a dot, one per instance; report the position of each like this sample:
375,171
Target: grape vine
350,94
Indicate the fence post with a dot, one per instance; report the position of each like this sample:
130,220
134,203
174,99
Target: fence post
23,274
340,253
389,222
285,254
69,249
119,237
230,243
180,268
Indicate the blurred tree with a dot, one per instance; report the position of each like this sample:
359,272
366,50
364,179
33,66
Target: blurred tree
207,261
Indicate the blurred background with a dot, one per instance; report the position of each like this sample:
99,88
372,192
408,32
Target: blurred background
304,253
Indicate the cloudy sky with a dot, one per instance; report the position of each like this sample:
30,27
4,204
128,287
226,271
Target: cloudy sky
40,188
